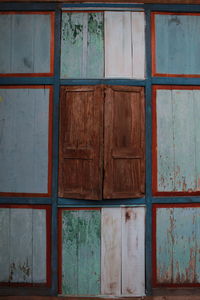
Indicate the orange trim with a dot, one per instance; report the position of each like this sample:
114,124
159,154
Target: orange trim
50,141
48,245
153,44
52,44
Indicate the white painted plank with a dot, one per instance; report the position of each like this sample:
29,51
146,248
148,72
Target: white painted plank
39,246
133,251
118,54
4,245
111,251
21,245
138,44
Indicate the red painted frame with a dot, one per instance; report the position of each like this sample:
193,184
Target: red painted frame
48,246
60,210
154,264
52,16
50,141
154,142
153,45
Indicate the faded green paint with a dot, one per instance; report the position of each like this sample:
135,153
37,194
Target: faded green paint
82,45
81,252
178,245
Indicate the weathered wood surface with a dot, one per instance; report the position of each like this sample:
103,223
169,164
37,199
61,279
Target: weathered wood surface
178,140
124,44
25,43
124,134
177,44
114,1
82,54
22,240
81,133
24,119
177,245
81,252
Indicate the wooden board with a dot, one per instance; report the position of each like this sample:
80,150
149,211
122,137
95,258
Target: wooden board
177,140
24,140
80,252
176,44
82,52
23,246
26,43
177,246
124,44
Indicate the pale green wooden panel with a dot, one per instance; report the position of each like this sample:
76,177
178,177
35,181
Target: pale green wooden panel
177,44
5,45
4,244
196,108
82,45
81,252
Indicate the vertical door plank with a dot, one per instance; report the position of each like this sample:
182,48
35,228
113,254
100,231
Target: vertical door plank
138,44
4,244
124,162
89,252
111,251
196,109
197,240
164,245
133,261
118,56
70,229
21,265
165,142
39,246
184,140
5,45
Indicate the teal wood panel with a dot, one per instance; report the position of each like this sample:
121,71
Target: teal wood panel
82,52
25,43
178,140
177,245
81,252
24,121
177,44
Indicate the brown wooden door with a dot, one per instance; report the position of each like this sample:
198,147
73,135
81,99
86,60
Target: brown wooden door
81,133
124,128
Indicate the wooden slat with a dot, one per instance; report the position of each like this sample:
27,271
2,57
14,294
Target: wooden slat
4,245
5,33
80,165
111,251
133,261
196,109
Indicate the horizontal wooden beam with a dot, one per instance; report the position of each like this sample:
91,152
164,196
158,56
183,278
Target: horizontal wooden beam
112,1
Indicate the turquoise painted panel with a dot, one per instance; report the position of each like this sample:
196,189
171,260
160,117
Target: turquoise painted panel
82,52
177,44
178,140
24,118
177,250
25,43
81,252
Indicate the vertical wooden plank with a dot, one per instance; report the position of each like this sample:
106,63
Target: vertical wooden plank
164,245
5,45
138,44
133,251
165,140
89,252
21,264
118,55
4,245
184,246
39,246
197,241
70,227
196,109
184,140
95,46
111,251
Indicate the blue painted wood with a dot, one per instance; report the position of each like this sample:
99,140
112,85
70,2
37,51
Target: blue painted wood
24,115
25,43
177,44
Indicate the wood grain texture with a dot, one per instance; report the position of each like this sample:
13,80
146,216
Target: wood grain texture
81,252
25,43
4,244
124,164
24,131
177,246
80,167
133,260
82,45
